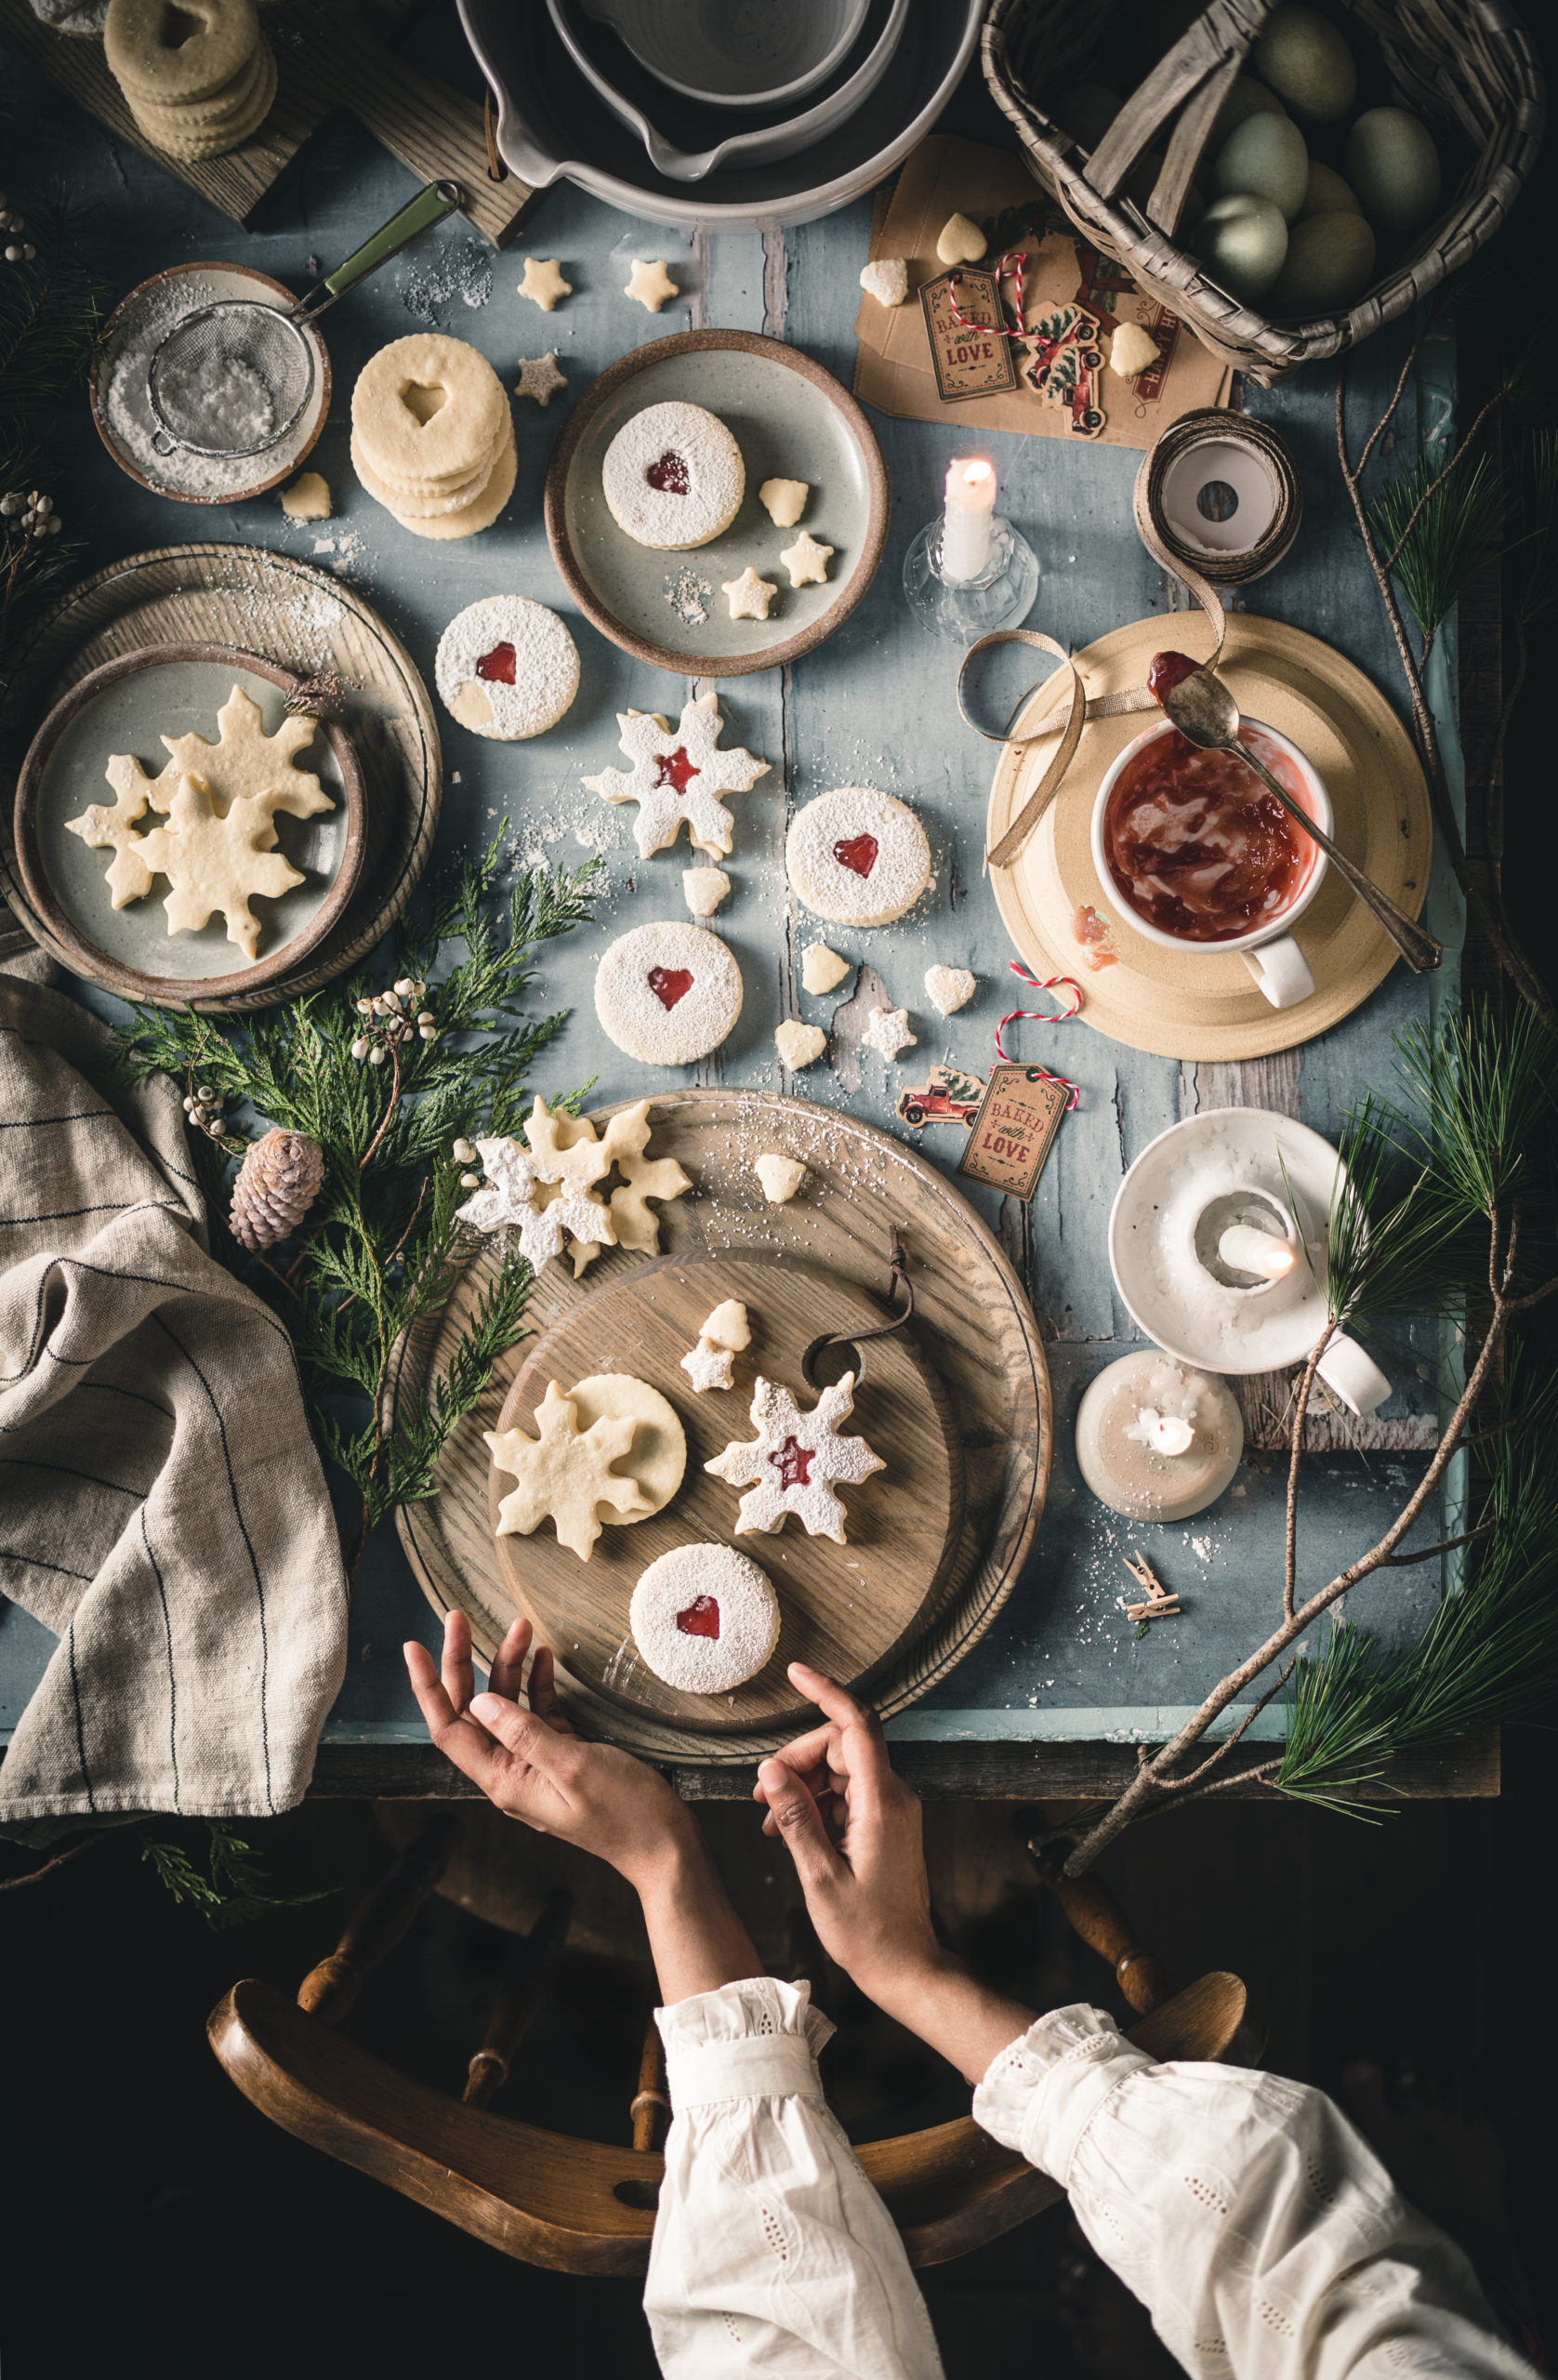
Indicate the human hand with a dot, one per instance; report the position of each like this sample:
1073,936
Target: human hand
853,1830
532,1764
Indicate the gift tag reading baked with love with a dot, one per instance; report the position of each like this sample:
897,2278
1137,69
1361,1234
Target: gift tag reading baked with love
1015,1129
970,346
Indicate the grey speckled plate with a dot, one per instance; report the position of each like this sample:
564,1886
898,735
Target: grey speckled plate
792,420
128,706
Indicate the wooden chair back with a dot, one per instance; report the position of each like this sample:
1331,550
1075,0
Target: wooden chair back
584,2206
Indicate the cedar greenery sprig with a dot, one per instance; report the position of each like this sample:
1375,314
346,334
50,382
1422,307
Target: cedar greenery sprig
233,1890
370,1262
1468,1156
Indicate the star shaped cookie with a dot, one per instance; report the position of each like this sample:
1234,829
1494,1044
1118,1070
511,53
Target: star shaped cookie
887,1029
564,1475
707,1366
539,378
679,774
543,283
214,862
510,1200
649,284
806,560
749,595
793,1463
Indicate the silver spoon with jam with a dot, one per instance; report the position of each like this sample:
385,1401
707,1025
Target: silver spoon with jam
1200,706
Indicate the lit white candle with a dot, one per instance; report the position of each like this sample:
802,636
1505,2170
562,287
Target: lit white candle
1245,1249
1167,1434
971,507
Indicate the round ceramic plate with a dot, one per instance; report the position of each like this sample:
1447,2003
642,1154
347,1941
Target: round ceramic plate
1200,1003
792,420
122,406
309,625
130,706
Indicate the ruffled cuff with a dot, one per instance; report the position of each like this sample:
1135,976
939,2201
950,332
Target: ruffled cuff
756,2039
1041,2095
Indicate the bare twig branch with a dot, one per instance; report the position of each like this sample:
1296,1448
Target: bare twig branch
1180,1784
1300,1411
1446,1545
60,1859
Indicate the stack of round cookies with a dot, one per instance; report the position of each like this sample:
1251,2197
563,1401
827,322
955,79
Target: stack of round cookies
431,435
199,79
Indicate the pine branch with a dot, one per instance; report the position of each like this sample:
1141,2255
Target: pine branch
232,1891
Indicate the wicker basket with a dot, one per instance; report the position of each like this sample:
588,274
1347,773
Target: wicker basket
1466,67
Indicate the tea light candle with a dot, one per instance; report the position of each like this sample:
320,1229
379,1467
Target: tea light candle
1245,1249
1155,1440
966,522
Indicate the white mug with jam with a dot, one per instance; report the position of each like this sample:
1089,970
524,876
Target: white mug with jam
1198,856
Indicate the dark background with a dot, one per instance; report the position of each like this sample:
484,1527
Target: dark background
152,2217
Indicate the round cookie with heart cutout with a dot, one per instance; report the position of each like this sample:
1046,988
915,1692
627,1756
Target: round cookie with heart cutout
673,477
507,667
857,857
705,1619
668,993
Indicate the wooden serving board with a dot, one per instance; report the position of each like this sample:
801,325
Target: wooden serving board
843,1608
328,55
1204,1004
284,612
974,1332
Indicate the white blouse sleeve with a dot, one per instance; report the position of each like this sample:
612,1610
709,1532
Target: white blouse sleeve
1253,2222
771,2251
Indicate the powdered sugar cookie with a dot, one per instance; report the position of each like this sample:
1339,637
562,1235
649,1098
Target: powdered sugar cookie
673,477
668,993
678,773
857,857
705,1619
794,1461
507,667
950,988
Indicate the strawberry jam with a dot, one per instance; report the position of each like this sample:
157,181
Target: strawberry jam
859,854
674,769
497,667
1196,845
1169,671
793,1463
669,984
701,1617
669,474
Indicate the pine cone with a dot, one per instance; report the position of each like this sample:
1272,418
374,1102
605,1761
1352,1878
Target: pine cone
277,1184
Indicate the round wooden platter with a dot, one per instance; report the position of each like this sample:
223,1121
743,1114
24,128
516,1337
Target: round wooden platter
308,624
843,1608
974,1331
792,419
1197,1003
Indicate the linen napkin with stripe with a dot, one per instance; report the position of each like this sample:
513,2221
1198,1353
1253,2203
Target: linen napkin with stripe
162,1507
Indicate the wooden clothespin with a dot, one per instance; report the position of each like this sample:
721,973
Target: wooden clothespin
1160,1604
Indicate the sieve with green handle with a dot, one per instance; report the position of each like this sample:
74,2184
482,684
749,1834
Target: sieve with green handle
231,378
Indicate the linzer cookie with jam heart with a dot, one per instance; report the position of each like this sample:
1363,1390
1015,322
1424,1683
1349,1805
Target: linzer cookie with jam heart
507,667
857,857
673,477
705,1619
668,993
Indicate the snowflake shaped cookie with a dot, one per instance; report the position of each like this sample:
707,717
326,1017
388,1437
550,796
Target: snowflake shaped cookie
111,827
245,764
564,1475
213,862
510,1200
539,378
678,773
795,1462
624,1143
563,1148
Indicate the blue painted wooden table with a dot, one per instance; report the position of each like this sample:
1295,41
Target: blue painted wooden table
1062,1667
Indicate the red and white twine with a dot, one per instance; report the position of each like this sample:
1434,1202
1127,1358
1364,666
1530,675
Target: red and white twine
1043,1016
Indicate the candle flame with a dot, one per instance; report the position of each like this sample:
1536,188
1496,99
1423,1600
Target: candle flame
977,474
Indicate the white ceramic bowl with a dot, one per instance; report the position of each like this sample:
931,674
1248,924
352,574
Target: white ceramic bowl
1282,975
734,53
739,150
551,124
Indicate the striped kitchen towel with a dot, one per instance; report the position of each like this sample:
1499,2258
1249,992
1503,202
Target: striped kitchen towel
162,1507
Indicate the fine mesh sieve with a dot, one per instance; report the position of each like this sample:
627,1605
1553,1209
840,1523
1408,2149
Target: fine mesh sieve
233,378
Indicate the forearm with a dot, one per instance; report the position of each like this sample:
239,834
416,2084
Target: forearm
696,1938
956,2016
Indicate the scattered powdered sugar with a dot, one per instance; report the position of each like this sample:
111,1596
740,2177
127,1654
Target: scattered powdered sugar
685,1583
459,274
698,1001
700,463
689,597
240,408
531,643
866,886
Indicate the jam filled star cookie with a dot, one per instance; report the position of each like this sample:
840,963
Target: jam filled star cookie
673,477
705,1619
668,993
857,857
794,1461
507,667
